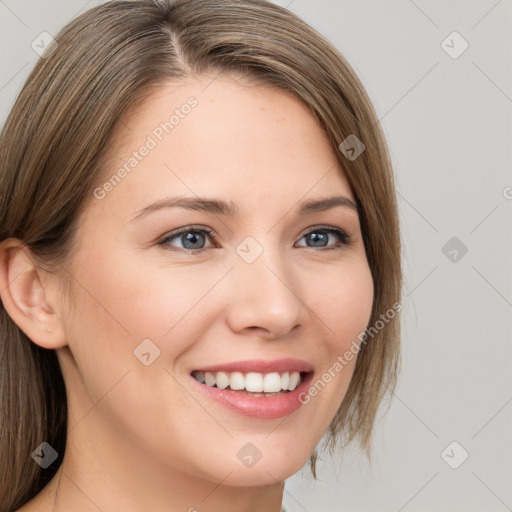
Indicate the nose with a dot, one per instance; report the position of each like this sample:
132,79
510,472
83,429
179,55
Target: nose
265,297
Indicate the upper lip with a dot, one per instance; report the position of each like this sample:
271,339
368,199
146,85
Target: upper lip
260,366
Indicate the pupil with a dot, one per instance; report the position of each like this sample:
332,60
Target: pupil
318,237
190,238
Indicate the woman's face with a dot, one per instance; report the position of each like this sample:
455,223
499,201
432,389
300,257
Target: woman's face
244,298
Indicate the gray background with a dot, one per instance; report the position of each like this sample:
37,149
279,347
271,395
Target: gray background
447,121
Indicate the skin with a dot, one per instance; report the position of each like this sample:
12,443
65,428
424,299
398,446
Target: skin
143,437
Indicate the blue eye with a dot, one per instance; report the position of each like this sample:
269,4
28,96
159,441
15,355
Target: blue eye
193,238
320,238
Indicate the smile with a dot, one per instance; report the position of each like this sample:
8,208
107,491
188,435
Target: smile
259,389
252,382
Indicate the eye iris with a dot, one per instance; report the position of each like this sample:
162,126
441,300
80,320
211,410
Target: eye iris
318,237
190,238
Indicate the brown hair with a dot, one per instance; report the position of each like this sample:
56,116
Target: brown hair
55,141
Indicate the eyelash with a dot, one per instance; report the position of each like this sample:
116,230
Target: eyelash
343,237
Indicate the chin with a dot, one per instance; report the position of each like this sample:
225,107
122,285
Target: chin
265,466
251,461
266,473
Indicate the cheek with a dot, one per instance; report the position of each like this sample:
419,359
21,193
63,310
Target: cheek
344,304
140,301
344,309
169,305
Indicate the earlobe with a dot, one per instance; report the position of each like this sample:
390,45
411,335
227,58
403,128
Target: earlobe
25,297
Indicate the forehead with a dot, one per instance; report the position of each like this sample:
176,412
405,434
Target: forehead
222,136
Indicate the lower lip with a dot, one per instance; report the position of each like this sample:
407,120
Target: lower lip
269,407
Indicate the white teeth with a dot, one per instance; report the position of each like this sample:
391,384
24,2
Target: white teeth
272,383
209,378
222,380
253,382
237,381
294,380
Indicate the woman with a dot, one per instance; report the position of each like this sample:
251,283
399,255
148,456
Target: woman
200,261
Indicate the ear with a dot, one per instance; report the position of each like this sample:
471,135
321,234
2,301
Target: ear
26,295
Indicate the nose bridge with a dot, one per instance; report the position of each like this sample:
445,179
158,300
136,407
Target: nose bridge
265,289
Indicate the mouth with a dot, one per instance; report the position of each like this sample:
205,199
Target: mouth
252,383
259,389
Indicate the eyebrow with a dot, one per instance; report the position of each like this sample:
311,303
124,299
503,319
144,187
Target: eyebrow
229,208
